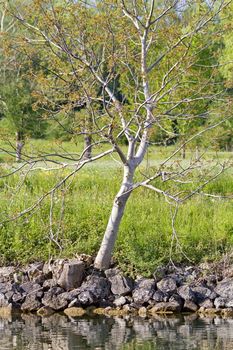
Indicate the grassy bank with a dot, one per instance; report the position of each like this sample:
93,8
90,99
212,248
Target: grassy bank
76,218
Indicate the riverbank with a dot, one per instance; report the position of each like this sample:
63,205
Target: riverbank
203,224
75,288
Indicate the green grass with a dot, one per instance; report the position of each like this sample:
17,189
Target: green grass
204,225
75,147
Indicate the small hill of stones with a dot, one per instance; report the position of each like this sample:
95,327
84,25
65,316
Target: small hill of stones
74,286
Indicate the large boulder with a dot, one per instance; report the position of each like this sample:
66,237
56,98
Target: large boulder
120,285
13,293
167,285
143,291
159,297
72,275
93,291
203,293
28,287
56,298
186,293
225,288
31,303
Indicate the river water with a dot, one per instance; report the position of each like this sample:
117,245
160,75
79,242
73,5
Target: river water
59,332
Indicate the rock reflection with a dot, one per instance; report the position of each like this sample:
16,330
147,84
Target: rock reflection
59,332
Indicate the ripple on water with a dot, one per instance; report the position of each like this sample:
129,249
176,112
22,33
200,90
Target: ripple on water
60,332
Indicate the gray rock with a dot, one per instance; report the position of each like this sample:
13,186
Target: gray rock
177,298
225,288
9,295
186,293
74,303
202,293
143,291
121,285
211,280
207,304
73,294
178,277
86,298
167,285
190,306
31,303
229,304
119,301
220,303
112,272
3,300
20,277
28,287
5,287
50,283
174,306
97,286
18,298
55,298
160,273
72,275
158,296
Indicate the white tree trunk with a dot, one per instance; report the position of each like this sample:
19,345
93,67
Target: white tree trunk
104,255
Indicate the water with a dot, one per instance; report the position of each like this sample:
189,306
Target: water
59,332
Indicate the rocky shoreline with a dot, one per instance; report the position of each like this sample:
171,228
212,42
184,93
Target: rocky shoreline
75,288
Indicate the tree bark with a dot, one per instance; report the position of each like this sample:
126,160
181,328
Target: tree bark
87,146
19,145
103,258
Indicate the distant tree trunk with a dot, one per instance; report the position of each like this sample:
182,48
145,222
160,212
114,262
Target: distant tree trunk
183,151
19,145
103,258
87,146
87,136
197,155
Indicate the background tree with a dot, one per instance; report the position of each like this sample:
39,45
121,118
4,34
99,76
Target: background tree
16,87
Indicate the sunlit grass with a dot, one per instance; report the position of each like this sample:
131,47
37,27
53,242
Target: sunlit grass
204,225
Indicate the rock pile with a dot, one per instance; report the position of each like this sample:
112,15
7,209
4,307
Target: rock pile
74,286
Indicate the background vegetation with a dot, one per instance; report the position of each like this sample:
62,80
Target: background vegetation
204,225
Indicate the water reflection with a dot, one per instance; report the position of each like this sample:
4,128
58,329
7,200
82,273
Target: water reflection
59,332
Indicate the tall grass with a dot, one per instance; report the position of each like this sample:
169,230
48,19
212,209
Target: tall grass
203,226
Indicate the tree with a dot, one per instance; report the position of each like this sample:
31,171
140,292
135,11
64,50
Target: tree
148,49
16,87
